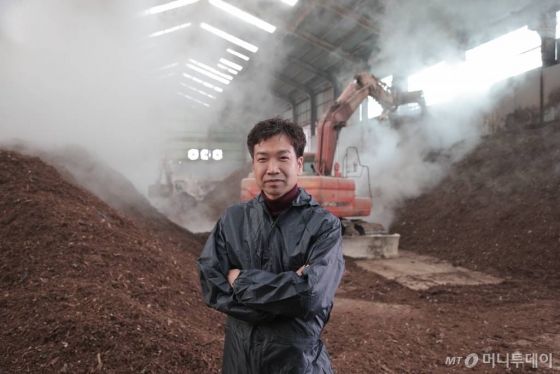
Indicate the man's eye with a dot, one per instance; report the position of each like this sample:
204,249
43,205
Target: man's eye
284,158
261,159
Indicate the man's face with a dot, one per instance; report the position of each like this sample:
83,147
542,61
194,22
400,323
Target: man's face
276,166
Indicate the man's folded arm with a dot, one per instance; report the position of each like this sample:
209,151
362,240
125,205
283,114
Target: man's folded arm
213,263
291,295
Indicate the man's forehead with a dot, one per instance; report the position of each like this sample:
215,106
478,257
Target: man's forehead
280,141
276,138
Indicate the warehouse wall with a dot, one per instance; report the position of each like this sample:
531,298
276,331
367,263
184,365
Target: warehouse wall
515,102
520,105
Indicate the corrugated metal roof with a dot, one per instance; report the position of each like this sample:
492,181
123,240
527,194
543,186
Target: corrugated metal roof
315,41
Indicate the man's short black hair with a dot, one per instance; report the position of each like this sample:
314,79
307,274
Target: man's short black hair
266,129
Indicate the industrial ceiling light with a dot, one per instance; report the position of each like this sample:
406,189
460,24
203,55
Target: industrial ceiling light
169,66
192,154
208,74
217,154
205,154
212,70
243,15
237,54
290,2
200,81
166,76
234,72
197,90
193,99
167,31
231,64
230,38
168,6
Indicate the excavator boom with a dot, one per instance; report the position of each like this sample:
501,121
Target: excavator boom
330,124
335,118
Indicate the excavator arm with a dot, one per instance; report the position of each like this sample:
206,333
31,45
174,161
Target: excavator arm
338,114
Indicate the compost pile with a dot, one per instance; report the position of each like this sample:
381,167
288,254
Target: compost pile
498,209
90,287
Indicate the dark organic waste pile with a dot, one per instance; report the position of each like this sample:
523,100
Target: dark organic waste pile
86,287
498,209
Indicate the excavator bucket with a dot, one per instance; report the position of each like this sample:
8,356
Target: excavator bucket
412,109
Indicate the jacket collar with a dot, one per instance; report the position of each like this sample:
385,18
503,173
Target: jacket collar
303,198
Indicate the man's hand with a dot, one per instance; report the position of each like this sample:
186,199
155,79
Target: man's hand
300,270
232,275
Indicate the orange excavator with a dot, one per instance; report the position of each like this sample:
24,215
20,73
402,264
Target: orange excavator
334,192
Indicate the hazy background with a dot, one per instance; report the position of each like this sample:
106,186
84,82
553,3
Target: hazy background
406,162
86,73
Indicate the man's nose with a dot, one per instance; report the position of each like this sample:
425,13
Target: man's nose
272,167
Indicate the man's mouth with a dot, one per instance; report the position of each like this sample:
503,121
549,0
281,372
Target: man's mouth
273,181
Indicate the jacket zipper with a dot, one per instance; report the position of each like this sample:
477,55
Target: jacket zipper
272,228
277,218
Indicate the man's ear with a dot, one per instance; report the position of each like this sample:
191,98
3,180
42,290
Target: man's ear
300,165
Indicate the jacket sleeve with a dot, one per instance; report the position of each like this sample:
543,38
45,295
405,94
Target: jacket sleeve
213,267
287,293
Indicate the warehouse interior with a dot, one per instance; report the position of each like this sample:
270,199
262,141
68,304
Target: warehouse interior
123,128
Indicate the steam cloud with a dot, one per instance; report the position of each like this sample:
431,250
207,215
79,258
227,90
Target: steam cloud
85,73
408,161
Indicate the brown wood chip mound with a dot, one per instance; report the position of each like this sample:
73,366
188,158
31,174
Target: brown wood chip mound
86,287
498,209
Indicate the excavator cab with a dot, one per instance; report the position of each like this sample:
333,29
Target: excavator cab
309,164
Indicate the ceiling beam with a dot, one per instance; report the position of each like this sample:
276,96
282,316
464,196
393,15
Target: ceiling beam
291,83
288,101
287,81
292,29
293,26
283,98
326,46
359,19
309,68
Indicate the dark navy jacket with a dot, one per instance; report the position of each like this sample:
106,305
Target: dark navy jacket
275,317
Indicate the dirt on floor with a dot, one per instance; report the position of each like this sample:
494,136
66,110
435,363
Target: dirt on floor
94,285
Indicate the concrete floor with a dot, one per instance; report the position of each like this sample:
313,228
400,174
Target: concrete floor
419,272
